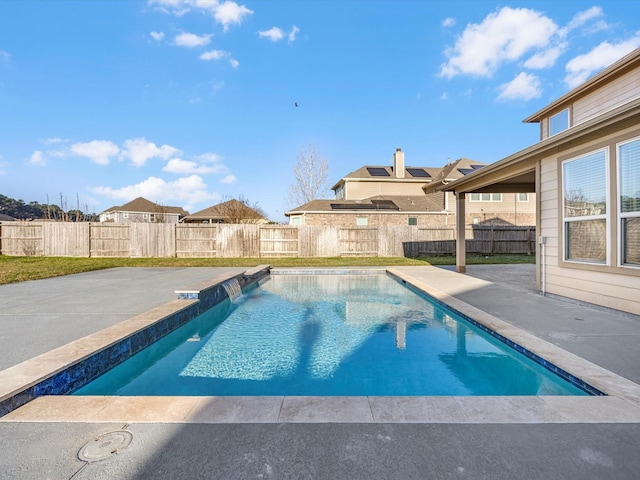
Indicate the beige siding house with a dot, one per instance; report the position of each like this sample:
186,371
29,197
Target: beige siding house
395,195
142,210
586,172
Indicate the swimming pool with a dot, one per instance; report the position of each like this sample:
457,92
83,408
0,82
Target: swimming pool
329,335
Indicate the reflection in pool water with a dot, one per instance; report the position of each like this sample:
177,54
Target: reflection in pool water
329,335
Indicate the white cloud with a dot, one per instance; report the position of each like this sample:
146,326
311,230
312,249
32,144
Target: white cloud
139,151
214,55
219,55
448,22
185,167
229,13
226,13
274,34
99,151
546,58
187,191
191,40
37,159
157,35
580,19
524,87
4,55
503,36
580,68
175,7
209,157
292,34
229,179
51,141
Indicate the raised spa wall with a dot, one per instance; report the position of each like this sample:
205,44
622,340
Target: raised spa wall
67,368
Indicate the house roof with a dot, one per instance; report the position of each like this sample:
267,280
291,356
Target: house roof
221,211
379,203
143,205
457,169
516,173
6,218
625,64
412,174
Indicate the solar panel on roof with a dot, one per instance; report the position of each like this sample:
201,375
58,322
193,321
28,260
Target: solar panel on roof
353,206
466,171
378,172
418,172
476,167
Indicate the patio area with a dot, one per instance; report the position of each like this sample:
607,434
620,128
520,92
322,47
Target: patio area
426,437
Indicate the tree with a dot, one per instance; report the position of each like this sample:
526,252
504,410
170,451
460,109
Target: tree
310,176
239,211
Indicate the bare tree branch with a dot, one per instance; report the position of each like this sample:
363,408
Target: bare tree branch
310,177
240,211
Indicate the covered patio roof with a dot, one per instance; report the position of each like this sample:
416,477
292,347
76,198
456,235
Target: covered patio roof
517,173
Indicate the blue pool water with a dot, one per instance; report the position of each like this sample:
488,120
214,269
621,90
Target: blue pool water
329,335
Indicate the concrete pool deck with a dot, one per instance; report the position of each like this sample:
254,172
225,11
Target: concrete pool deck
594,432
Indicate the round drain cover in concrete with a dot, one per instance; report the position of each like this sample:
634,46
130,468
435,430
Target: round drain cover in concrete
105,446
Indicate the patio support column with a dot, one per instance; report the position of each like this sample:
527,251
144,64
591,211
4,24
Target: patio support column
461,250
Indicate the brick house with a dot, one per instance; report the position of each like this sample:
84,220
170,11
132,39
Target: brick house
395,195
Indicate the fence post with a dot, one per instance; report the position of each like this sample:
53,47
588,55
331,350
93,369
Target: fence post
491,241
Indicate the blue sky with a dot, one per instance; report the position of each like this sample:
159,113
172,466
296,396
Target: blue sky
189,102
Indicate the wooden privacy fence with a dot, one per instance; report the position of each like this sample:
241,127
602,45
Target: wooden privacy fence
66,239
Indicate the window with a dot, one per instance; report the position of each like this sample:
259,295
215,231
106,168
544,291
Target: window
584,205
559,122
362,221
340,193
523,197
413,220
485,197
125,214
295,220
629,202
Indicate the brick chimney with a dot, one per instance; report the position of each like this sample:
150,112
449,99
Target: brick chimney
398,163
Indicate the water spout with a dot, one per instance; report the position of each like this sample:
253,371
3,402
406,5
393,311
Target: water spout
233,289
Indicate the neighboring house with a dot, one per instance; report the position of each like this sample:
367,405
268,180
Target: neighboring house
394,195
232,211
586,172
142,210
6,218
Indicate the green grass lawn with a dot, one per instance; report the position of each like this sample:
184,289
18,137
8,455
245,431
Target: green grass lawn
20,269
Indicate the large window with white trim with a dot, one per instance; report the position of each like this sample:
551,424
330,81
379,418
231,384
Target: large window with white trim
584,206
629,202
